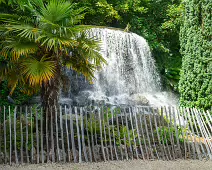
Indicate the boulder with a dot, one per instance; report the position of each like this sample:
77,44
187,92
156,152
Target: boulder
139,99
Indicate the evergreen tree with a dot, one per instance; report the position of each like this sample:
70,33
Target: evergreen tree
196,75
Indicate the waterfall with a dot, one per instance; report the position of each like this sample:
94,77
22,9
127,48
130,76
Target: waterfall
130,67
130,75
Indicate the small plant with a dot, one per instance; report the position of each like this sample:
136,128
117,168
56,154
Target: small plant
124,135
21,125
169,133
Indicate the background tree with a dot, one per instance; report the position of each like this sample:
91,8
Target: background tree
196,75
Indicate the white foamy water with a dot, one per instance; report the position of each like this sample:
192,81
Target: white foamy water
130,74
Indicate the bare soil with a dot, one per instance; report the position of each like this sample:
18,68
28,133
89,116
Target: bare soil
119,165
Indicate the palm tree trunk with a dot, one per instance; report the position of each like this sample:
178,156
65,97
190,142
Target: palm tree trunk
50,93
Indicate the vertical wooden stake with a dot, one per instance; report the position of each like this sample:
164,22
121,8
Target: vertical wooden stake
101,136
27,133
128,133
32,141
142,133
203,133
78,136
193,135
57,136
22,138
15,144
67,134
189,149
41,129
47,137
162,138
159,140
92,136
110,141
177,133
163,126
133,133
125,144
83,136
37,137
147,132
168,114
117,123
52,135
198,134
152,133
72,136
62,136
10,125
5,137
209,123
138,133
114,138
87,133
206,132
105,134
181,125
189,128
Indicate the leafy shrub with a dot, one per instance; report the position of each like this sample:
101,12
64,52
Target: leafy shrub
167,132
20,122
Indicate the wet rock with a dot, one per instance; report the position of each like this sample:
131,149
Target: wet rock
66,101
139,99
35,100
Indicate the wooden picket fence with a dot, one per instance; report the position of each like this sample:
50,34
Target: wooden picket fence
103,133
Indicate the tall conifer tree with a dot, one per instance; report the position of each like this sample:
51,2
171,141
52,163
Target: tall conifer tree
196,47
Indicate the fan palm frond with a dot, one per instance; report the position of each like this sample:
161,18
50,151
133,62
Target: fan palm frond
90,49
15,48
56,10
15,19
11,72
56,42
38,72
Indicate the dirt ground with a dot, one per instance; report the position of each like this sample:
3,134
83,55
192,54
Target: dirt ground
119,165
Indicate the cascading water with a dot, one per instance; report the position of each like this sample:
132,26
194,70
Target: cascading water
130,76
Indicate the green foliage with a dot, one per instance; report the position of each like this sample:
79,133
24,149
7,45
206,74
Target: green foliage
120,134
169,133
99,12
196,76
125,137
18,96
21,125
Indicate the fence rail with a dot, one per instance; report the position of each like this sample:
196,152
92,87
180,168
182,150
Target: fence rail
92,134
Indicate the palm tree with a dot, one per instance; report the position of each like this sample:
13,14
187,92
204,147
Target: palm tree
39,40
